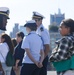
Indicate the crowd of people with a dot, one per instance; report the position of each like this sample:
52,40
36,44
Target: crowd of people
30,51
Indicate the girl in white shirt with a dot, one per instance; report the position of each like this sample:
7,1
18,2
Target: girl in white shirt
5,46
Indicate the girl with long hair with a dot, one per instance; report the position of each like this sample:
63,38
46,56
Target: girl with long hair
5,46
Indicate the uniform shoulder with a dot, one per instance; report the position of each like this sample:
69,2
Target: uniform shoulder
45,32
28,35
41,29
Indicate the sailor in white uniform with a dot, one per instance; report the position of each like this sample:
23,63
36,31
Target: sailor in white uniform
4,15
45,38
34,53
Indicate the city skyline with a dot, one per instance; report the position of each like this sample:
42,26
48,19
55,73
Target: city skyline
21,10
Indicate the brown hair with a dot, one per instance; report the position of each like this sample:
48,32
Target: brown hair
14,42
8,41
20,34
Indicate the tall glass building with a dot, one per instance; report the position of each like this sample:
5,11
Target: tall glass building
56,18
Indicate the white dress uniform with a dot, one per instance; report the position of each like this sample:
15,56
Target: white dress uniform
41,29
45,38
34,44
44,34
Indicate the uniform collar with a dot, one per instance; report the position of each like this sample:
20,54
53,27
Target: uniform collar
38,29
32,32
40,26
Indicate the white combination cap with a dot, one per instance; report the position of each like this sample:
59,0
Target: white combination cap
30,23
37,15
4,11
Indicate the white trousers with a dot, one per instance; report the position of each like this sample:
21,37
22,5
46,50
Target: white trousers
69,72
6,69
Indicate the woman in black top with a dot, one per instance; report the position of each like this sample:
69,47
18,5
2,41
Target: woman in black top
19,53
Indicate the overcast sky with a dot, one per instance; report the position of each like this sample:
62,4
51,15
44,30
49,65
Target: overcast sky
21,10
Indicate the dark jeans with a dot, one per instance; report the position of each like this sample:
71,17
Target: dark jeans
30,69
43,70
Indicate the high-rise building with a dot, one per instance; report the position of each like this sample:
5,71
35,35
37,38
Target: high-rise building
15,30
23,29
56,18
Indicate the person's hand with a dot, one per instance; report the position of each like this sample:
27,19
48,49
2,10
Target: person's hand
37,63
40,64
15,67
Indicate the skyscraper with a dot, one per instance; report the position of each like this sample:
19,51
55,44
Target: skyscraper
15,30
56,18
23,29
